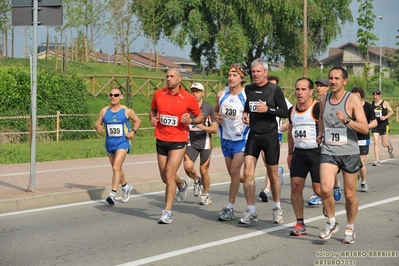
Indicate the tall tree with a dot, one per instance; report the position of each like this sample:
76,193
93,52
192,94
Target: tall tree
243,30
365,36
85,16
126,28
152,15
5,7
394,60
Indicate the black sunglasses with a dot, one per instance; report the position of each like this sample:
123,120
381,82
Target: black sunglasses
114,95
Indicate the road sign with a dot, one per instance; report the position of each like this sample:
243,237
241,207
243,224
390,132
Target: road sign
23,16
21,3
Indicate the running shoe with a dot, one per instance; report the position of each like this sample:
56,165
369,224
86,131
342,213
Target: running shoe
197,187
182,192
280,174
126,192
337,193
364,187
390,147
111,198
376,163
264,196
349,237
227,215
299,230
205,200
277,215
249,217
166,218
314,200
328,230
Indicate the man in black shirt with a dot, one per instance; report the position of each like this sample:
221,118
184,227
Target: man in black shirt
265,101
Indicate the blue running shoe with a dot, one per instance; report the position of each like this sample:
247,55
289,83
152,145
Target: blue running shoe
314,200
280,174
337,193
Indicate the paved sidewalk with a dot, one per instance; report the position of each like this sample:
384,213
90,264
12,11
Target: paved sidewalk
71,181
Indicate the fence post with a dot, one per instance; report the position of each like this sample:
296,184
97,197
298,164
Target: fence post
58,125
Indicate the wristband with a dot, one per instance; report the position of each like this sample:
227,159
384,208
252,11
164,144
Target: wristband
290,153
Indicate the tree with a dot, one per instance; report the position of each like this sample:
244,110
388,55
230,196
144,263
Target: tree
126,28
5,8
243,30
87,16
394,61
152,15
365,36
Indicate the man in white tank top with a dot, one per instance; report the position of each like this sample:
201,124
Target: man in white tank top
233,133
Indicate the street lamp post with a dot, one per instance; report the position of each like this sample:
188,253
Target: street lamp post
379,85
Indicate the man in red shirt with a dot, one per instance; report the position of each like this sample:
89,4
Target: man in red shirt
169,114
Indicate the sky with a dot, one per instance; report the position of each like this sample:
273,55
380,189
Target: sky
388,9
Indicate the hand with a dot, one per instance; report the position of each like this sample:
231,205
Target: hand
154,121
219,118
284,126
341,116
186,119
319,139
262,107
99,128
130,135
245,118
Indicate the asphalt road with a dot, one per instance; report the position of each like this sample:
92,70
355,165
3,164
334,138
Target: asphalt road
94,233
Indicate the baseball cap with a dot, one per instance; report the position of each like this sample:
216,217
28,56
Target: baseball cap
377,91
322,81
198,86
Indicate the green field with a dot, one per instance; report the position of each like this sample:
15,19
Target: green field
144,142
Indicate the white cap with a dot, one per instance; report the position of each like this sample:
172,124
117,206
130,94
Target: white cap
197,86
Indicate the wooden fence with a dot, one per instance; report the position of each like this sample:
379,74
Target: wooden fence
141,85
57,128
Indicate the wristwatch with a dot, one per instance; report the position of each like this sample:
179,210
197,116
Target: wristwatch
348,119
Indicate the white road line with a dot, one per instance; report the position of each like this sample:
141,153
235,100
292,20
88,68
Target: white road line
85,167
240,237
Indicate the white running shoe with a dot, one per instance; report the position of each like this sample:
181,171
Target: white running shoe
126,192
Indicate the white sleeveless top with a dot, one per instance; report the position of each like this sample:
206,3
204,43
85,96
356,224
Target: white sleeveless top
231,109
304,128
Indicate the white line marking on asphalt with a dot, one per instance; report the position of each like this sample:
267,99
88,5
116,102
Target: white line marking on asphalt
241,237
85,167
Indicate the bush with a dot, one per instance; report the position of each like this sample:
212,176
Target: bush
55,92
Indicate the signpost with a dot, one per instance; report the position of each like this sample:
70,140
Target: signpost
34,13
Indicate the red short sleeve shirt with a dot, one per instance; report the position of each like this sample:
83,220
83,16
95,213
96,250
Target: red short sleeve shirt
170,109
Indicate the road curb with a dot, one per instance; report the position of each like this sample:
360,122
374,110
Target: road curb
91,194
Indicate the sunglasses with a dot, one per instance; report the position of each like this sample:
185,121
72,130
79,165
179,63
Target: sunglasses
114,95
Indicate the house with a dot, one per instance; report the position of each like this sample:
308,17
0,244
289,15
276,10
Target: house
349,57
144,60
186,64
147,60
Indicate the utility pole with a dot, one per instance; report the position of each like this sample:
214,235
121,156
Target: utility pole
305,38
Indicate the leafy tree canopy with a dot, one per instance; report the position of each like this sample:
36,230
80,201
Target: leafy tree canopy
241,31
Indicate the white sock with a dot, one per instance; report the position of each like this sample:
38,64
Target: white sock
251,208
230,206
